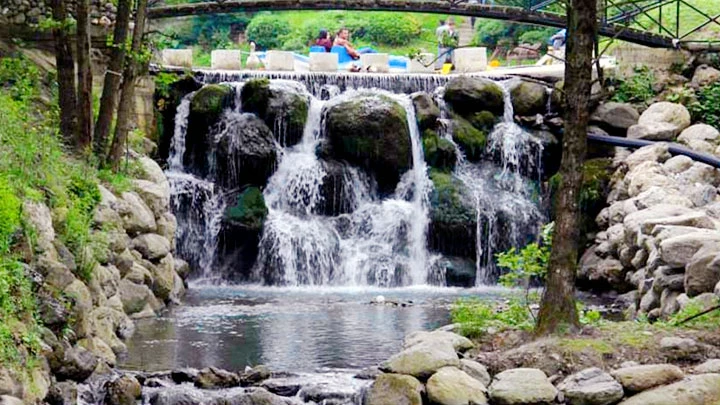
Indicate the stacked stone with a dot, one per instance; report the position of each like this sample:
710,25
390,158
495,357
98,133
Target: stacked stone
34,12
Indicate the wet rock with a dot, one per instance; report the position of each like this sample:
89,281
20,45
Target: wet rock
395,389
459,343
283,105
459,271
439,152
72,363
125,390
471,139
528,98
214,378
177,397
184,375
206,109
615,117
521,386
427,112
285,387
151,246
136,298
640,378
369,373
591,386
476,371
255,375
62,393
371,131
467,95
422,360
453,220
451,386
246,152
695,390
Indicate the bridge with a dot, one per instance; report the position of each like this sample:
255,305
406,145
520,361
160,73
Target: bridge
654,23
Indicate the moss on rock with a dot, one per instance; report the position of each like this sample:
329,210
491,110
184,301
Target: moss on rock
453,220
250,209
529,98
284,105
470,139
468,95
427,112
483,120
211,100
439,152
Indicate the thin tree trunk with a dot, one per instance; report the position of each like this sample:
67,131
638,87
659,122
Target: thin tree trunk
125,108
557,309
65,72
113,78
84,97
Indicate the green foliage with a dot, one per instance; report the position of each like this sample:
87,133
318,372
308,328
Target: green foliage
9,215
75,230
19,341
708,321
163,82
20,78
637,88
393,29
266,30
536,36
707,107
250,209
476,317
528,263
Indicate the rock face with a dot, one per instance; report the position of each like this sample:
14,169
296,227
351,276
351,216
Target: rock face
641,378
695,390
453,221
661,121
422,360
427,112
246,152
395,389
371,131
283,105
467,95
451,386
521,386
615,118
591,386
528,98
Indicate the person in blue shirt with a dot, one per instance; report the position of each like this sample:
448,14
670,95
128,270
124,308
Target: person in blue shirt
558,39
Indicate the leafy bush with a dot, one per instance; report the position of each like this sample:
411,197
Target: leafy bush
9,215
392,29
527,264
489,32
20,78
707,106
266,30
476,317
638,88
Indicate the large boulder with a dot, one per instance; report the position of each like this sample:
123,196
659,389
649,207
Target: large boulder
427,112
125,390
699,133
72,363
640,378
395,389
702,273
522,386
156,196
371,131
679,250
164,283
151,246
206,109
467,95
470,139
657,131
705,75
439,152
661,121
476,371
136,298
459,343
453,220
283,105
40,219
451,386
136,216
615,118
422,360
591,386
246,152
701,389
528,98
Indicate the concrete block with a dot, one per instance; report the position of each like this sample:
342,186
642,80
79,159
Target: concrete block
323,62
470,59
375,62
177,57
222,59
279,60
423,63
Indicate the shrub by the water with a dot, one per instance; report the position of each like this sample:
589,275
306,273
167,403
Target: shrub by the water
707,107
267,31
637,88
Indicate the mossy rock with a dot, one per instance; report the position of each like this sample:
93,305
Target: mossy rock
250,209
557,97
439,152
453,220
471,140
166,104
211,100
483,120
371,132
469,95
528,98
206,108
284,107
427,112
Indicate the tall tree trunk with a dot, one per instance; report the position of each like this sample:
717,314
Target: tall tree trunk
125,108
557,310
84,97
65,72
112,81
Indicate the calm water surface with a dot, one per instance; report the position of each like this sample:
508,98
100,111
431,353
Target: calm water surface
288,329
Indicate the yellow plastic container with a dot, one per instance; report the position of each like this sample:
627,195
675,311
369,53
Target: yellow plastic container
446,68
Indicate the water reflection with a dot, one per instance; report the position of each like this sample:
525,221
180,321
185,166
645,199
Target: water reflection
289,329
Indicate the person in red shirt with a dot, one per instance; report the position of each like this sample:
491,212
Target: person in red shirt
324,40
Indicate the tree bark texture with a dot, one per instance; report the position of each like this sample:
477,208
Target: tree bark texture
125,108
84,91
557,309
113,77
65,72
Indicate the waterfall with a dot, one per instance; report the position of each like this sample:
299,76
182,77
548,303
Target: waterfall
177,144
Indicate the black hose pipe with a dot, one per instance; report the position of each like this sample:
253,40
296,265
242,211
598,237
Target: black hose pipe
673,148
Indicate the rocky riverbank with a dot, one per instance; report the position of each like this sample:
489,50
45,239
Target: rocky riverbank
132,274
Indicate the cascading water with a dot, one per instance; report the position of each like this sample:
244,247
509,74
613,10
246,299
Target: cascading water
377,242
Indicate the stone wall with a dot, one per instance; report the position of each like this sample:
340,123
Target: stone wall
34,12
630,56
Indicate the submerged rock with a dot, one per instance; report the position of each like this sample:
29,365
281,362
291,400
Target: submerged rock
371,131
395,389
283,105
